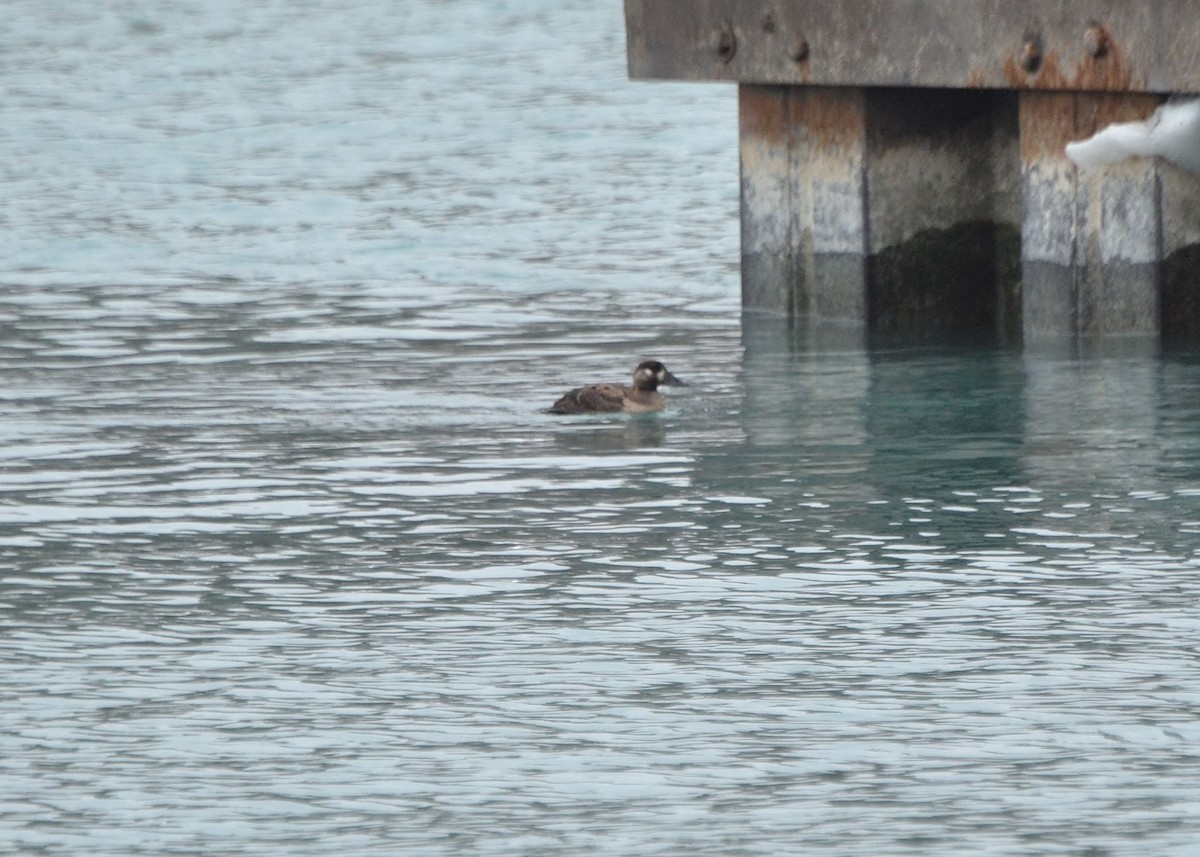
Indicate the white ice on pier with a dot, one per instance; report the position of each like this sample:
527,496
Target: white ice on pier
1172,133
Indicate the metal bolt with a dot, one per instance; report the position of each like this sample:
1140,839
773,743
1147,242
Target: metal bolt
1096,41
726,43
1031,53
798,49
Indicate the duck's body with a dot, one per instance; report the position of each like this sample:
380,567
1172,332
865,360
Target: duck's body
608,399
641,398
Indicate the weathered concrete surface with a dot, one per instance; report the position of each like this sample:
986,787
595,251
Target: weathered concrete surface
896,209
803,205
959,284
1180,255
903,164
1091,244
1077,45
943,201
770,252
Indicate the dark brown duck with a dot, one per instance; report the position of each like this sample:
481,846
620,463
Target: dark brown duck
641,398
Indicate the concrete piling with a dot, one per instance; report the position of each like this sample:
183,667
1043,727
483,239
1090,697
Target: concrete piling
1091,244
903,166
804,230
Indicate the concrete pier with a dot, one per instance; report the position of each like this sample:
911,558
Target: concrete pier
903,165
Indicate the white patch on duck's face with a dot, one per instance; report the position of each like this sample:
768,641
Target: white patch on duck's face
641,376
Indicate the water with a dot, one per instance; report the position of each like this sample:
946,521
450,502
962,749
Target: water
292,561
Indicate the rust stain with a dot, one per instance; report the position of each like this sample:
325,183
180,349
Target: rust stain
1047,122
1050,120
800,53
803,70
1103,109
1109,69
763,112
833,118
1075,100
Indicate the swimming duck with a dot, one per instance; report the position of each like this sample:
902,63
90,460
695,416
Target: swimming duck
641,398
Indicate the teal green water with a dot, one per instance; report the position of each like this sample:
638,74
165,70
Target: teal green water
293,561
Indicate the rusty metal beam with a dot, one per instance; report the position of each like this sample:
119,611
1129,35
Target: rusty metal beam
1069,45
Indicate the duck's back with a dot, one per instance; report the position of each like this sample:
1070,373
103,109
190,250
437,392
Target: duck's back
592,399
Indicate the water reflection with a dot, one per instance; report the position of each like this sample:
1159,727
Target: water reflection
899,421
824,577
803,384
1094,419
913,419
613,434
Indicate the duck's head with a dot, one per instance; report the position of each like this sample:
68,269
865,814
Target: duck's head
650,373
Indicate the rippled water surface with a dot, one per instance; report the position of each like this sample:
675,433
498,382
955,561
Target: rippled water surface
292,560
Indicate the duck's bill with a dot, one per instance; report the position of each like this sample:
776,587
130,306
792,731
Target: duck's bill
672,381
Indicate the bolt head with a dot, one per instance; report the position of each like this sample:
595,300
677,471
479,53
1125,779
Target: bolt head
1096,40
725,43
1031,54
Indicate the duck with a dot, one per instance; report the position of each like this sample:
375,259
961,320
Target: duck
643,397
